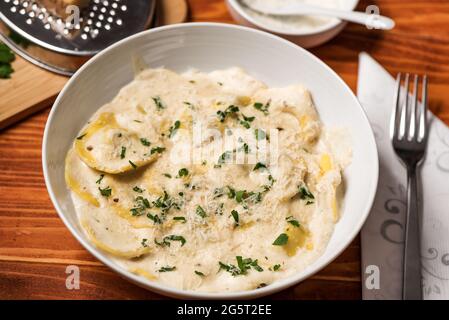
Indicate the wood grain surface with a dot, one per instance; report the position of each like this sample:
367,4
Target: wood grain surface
35,246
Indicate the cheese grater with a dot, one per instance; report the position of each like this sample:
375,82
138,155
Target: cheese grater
61,35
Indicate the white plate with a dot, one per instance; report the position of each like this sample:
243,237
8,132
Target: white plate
207,47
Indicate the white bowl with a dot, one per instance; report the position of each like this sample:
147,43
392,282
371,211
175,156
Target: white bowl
306,39
207,47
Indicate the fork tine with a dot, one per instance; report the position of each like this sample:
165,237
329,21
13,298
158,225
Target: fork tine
397,111
405,118
423,130
413,134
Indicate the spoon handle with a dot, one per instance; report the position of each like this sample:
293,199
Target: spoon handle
370,20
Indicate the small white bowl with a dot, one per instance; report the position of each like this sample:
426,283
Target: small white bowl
306,39
207,47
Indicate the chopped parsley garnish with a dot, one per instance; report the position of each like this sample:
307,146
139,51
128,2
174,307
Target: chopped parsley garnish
240,195
167,175
141,204
199,273
145,142
225,157
276,267
167,269
180,219
99,179
231,110
200,211
174,128
243,265
293,221
165,203
259,165
123,153
137,189
246,122
235,215
183,172
157,150
155,218
132,164
231,192
144,243
219,209
305,194
260,134
281,240
81,136
138,121
166,240
245,148
262,107
106,192
158,102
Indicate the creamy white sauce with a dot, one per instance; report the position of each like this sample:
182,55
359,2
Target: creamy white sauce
302,160
295,23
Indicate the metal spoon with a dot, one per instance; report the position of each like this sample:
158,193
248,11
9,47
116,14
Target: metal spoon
372,21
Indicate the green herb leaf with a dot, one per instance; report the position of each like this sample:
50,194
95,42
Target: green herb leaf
183,172
144,243
293,221
145,142
106,192
235,215
262,107
157,150
174,128
260,134
166,240
6,54
231,110
305,194
281,240
200,211
199,273
225,157
240,195
5,70
123,153
167,175
132,164
276,267
158,102
99,179
167,269
180,219
259,165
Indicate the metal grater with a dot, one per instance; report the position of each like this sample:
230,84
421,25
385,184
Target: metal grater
53,40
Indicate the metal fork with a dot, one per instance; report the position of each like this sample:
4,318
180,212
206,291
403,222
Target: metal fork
409,131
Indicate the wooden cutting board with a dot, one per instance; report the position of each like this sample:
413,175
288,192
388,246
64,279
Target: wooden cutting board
31,88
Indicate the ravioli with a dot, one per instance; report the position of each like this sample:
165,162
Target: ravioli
208,181
106,146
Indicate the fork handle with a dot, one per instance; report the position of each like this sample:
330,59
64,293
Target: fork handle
412,282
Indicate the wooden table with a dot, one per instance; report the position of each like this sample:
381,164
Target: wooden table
35,246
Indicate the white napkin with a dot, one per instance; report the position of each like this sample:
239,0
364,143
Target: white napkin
382,234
